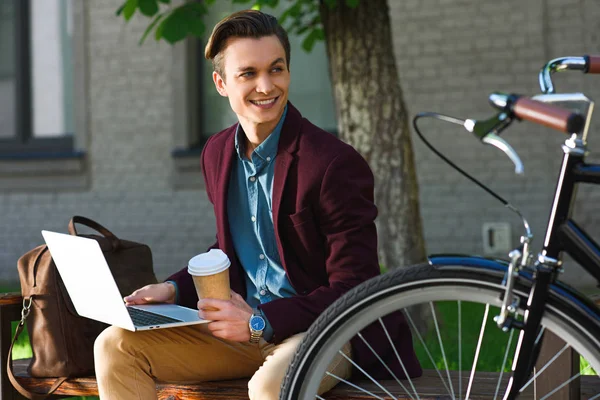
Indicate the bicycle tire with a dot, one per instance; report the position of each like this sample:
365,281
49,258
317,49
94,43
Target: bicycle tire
418,285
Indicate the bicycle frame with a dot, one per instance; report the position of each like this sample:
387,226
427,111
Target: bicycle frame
562,233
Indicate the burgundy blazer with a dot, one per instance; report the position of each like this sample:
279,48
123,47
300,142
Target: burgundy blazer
323,215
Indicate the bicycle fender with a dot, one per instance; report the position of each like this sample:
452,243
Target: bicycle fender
559,291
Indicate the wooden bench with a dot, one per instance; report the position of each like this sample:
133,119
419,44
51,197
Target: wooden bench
429,383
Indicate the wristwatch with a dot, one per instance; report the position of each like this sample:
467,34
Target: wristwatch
257,326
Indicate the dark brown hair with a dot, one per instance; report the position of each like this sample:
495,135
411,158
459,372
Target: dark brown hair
243,24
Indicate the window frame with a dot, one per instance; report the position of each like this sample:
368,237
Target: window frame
24,143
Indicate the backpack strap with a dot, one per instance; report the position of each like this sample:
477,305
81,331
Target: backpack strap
9,369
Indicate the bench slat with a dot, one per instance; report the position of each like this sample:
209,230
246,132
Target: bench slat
10,298
429,385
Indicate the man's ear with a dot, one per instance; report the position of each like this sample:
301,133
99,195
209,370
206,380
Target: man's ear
219,84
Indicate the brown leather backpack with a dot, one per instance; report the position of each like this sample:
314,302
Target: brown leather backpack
63,342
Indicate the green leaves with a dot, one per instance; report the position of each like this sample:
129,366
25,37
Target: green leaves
309,41
128,9
174,23
150,27
331,4
148,7
303,18
184,20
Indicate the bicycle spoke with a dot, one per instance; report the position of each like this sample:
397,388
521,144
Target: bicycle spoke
366,374
459,351
544,367
399,358
414,327
595,397
566,383
319,397
437,329
510,338
354,386
385,365
481,333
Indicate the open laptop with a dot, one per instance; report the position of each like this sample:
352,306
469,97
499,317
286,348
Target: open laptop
95,294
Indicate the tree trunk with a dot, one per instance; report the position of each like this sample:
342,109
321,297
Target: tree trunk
372,117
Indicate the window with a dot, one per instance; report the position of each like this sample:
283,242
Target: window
36,86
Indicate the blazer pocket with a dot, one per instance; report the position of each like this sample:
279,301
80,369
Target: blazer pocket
305,239
301,217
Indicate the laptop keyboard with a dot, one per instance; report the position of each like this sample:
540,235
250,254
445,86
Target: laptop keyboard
146,318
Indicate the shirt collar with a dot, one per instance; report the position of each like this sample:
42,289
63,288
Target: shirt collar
268,148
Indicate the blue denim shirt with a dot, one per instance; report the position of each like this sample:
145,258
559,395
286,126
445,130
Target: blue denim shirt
249,206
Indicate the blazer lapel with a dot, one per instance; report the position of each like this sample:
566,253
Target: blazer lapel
288,142
282,166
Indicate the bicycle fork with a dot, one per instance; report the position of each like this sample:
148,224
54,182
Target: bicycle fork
530,339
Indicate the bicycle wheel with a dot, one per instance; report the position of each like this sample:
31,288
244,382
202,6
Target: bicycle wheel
457,354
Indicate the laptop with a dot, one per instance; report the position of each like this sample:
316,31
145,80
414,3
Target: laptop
95,294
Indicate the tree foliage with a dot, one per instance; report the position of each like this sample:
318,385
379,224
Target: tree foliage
175,23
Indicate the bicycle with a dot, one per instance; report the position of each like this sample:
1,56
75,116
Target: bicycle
522,294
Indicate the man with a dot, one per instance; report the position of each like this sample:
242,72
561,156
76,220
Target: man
295,215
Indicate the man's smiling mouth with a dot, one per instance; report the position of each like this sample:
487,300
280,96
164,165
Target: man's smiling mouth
264,102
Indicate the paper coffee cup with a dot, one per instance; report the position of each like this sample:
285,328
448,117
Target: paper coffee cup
210,272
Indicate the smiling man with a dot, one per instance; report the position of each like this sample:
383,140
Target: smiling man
295,215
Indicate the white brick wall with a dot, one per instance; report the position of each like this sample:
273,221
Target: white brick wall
451,54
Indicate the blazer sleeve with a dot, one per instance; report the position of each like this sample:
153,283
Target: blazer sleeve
183,280
345,214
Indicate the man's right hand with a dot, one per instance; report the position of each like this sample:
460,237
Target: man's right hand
156,293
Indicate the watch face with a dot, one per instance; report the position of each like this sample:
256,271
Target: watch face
257,323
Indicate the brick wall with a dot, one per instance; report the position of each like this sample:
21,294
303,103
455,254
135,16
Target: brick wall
451,54
129,156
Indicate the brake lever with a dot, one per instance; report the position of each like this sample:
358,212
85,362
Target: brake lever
498,142
487,131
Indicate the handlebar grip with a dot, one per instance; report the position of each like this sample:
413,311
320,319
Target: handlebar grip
592,64
548,115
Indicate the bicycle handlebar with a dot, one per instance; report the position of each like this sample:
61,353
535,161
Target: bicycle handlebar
586,64
540,113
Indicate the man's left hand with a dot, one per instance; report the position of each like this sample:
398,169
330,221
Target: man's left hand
231,319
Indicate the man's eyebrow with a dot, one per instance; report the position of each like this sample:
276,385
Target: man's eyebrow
246,69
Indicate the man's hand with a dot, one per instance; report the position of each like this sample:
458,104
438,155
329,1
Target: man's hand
156,293
230,321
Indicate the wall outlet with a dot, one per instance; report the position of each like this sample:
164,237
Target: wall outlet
496,238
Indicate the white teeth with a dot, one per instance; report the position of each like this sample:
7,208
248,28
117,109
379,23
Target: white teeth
263,102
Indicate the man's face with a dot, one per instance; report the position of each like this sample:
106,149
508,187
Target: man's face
256,79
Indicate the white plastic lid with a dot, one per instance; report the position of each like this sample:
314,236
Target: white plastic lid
210,263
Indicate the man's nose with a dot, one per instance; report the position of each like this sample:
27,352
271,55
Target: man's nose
264,84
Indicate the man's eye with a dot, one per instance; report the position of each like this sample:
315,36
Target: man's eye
277,69
247,74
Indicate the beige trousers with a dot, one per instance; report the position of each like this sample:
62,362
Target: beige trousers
128,363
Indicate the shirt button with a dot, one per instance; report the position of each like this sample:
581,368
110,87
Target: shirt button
268,158
252,178
263,292
262,256
253,218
